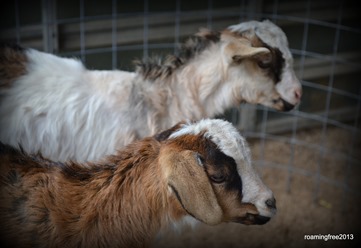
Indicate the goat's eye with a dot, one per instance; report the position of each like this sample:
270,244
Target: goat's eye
263,64
237,59
218,178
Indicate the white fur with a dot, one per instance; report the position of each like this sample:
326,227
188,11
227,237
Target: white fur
68,112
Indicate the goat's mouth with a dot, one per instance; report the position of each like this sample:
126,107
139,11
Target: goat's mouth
281,104
286,105
253,219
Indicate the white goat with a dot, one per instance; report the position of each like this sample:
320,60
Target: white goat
56,106
198,171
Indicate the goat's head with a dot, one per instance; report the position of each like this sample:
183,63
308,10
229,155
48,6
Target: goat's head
258,53
208,170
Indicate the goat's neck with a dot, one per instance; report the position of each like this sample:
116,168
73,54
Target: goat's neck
130,189
145,188
199,87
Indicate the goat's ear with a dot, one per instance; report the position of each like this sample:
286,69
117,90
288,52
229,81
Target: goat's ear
189,182
237,50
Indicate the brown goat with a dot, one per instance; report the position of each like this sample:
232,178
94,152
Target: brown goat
127,198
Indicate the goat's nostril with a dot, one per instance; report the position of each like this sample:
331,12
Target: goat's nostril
271,203
298,94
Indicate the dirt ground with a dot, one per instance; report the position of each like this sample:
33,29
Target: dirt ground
305,207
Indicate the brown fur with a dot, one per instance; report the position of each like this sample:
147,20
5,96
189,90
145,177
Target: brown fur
70,206
12,64
229,194
123,200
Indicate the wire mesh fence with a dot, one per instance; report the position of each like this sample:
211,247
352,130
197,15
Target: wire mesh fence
324,37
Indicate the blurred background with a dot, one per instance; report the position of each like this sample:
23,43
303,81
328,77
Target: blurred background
310,157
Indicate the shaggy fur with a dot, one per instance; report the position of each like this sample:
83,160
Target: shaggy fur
65,111
156,68
194,170
12,64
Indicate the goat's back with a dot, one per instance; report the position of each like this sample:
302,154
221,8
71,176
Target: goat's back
56,106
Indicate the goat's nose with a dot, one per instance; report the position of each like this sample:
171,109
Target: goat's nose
271,203
298,94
